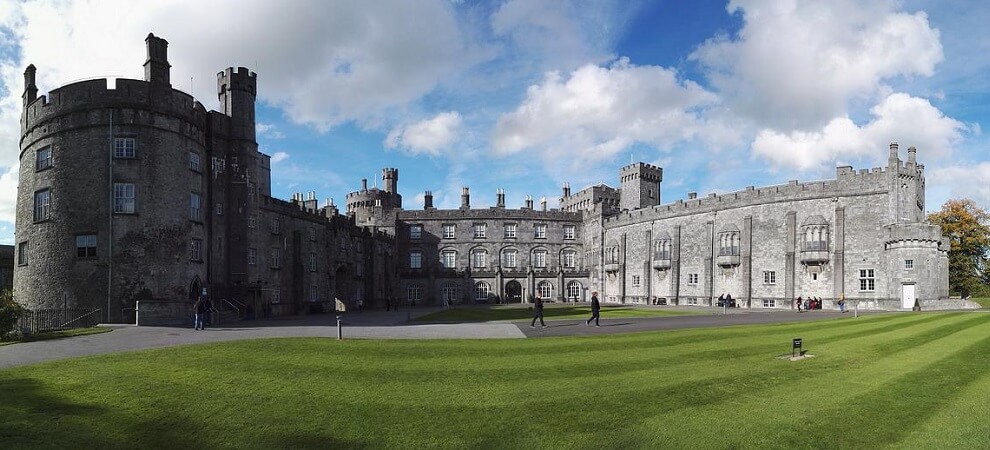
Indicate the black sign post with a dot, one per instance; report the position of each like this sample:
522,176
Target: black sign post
796,347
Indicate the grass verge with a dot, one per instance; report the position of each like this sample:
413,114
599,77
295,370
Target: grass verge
517,312
898,380
57,335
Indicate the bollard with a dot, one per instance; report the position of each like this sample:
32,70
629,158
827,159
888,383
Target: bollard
340,334
137,313
856,313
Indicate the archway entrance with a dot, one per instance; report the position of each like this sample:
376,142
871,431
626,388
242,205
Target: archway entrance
513,292
195,288
341,288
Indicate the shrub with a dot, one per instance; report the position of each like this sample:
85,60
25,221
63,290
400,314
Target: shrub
10,311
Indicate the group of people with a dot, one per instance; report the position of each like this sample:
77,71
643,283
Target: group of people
596,309
726,300
201,311
812,303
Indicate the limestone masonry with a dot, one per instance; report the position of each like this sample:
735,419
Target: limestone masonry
134,192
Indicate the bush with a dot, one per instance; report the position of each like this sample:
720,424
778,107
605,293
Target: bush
10,311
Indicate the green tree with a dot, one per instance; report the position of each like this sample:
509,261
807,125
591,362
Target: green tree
10,311
968,228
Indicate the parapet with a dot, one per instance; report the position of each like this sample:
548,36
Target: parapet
241,80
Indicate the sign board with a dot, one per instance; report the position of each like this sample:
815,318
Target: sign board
797,343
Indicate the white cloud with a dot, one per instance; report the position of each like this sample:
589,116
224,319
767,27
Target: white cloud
8,194
899,118
598,112
269,130
428,136
797,64
969,181
279,157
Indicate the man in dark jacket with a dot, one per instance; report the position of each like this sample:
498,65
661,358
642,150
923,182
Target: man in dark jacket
595,309
202,308
538,313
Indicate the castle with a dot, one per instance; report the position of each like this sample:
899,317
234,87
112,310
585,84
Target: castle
136,193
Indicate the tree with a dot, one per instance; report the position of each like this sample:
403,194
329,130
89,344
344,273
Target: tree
967,226
10,311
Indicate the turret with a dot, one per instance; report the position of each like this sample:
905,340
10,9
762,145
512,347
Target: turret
30,88
156,67
390,177
465,198
236,92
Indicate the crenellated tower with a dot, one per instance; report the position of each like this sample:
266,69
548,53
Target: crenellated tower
640,186
236,91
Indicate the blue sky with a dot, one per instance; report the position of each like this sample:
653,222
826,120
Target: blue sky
525,95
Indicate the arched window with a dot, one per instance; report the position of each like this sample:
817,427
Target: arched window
545,290
450,292
728,243
481,291
479,258
574,290
612,255
448,258
816,234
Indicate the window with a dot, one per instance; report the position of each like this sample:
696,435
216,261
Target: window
312,261
908,263
815,237
414,293
509,258
769,277
123,198
312,234
314,293
635,281
415,231
480,230
481,291
510,231
123,147
545,290
43,158
574,290
540,231
448,230
196,250
448,258
479,259
194,164
539,258
253,221
867,280
569,231
692,278
218,164
568,259
219,208
276,258
661,249
769,303
276,226
86,245
42,205
194,207
252,256
612,255
276,295
415,259
728,244
22,254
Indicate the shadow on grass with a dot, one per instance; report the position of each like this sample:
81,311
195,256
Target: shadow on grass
31,414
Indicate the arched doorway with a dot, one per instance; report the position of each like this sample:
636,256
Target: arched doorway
341,289
195,288
513,292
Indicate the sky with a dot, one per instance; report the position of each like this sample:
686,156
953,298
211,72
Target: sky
525,95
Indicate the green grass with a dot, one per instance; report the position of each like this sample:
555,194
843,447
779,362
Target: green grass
893,380
57,335
983,301
518,312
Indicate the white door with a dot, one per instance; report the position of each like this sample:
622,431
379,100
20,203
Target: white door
907,296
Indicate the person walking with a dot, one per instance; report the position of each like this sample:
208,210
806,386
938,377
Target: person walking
842,302
595,309
798,302
202,308
538,313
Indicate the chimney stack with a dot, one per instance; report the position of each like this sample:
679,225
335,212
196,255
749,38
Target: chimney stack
529,202
543,203
465,198
567,189
500,198
892,161
428,200
30,88
156,67
364,184
912,155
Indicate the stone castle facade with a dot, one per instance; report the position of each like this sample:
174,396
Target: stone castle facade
136,193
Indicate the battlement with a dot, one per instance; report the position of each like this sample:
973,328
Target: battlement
241,80
102,93
641,170
489,213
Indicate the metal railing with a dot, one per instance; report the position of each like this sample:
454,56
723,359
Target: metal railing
41,320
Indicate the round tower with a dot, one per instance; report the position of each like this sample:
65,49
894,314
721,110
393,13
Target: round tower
105,193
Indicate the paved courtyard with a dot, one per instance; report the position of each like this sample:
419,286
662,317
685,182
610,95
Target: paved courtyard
373,325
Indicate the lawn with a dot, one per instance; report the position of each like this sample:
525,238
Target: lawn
519,312
893,380
983,301
57,335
